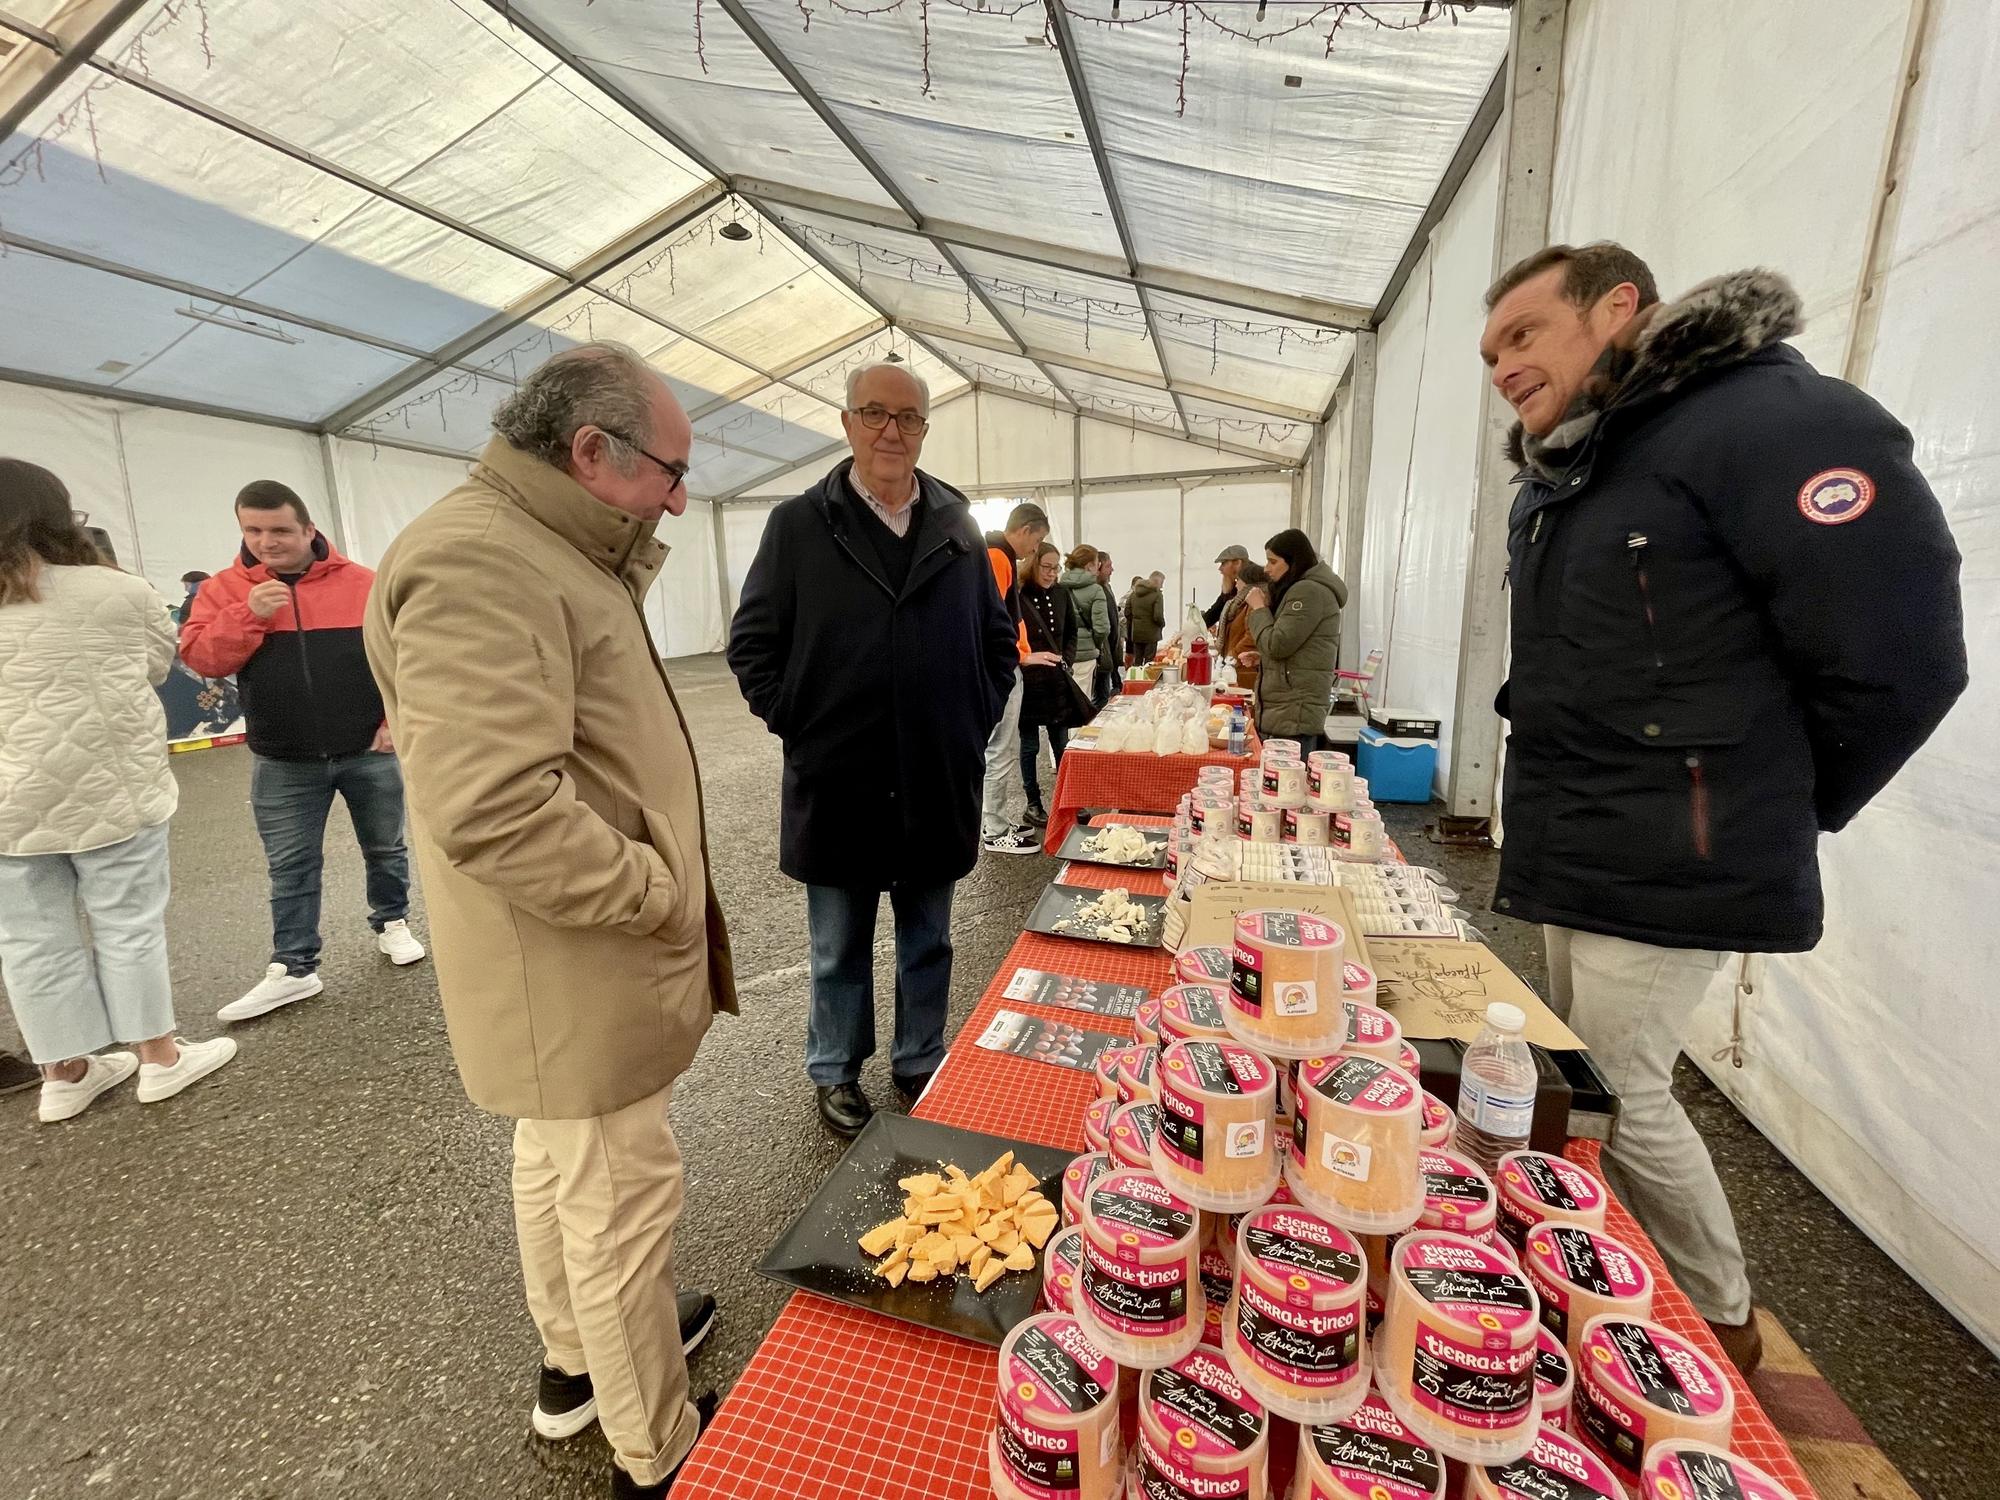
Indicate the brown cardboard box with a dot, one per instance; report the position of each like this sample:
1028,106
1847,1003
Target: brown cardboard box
1212,921
1440,987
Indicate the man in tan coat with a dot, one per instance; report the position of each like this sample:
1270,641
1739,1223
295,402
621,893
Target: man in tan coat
555,809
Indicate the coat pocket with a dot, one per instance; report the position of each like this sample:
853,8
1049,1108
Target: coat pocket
1689,743
689,897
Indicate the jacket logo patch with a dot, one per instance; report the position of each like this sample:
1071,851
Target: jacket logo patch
1298,604
1833,497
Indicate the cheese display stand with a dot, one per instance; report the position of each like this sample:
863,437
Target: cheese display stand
841,1403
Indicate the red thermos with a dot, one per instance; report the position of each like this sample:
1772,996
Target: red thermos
1199,668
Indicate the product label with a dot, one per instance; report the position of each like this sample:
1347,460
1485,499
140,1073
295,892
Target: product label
1490,1108
1135,1073
1289,1245
1097,1120
1554,1183
1564,1258
1485,1389
1158,1478
1313,1350
1373,1454
1201,1395
1455,1196
1358,1083
1344,1158
1132,1132
1079,1177
1192,1009
1356,978
1341,834
1042,1463
1437,1120
1182,1130
1217,1282
1059,1278
1134,1302
1556,1469
1146,1017
1128,1201
1551,1366
1680,1474
1668,1374
1369,1027
1207,964
1468,1282
1246,983
1055,1368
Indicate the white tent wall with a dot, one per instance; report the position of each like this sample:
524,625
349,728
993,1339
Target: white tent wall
1422,472
383,489
684,607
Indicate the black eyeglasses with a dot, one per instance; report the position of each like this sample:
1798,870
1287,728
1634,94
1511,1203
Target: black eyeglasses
875,418
677,473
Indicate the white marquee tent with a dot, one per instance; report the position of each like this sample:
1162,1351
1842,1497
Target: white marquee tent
1186,272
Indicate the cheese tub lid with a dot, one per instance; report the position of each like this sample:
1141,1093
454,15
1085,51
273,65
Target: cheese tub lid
1049,1367
1410,1062
1556,1468
1366,1085
1370,1027
1202,1409
1206,964
1133,1127
1550,1182
1193,1010
1289,929
1371,1455
1138,1212
1437,1117
1469,1283
1059,1263
1646,1364
1136,1071
1312,1263
1357,979
1571,1256
1146,1015
1097,1117
1216,1069
1107,1066
1457,1195
1081,1174
1682,1469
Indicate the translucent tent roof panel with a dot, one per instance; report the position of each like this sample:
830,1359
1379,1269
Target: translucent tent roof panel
990,367
1066,312
829,378
1250,354
452,409
1121,398
791,321
719,95
1319,186
979,126
1214,421
717,471
902,273
301,381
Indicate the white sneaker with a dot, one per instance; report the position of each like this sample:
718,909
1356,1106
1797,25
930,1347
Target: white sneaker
159,1081
396,940
1017,841
277,987
105,1070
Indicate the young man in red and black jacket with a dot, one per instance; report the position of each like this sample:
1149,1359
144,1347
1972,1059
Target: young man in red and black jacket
285,620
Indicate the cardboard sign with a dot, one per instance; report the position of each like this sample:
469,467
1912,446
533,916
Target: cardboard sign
1440,987
1212,921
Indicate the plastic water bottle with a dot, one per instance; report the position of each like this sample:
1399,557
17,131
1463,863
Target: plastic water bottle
1496,1089
1238,731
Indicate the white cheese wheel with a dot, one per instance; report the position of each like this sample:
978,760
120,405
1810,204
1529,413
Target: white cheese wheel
1690,1470
1367,1455
1216,1143
1133,1127
1580,1274
1194,1010
1294,1333
1057,1437
1286,995
1537,1188
1638,1384
1202,1435
1354,1156
1456,1354
1137,1289
1556,1468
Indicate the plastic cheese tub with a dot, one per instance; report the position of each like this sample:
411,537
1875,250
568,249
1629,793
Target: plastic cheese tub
1702,1471
1409,1060
1138,1076
1218,1282
1536,1188
1438,1122
1457,1348
1193,1011
1358,983
1367,1455
1138,1291
1215,1145
1354,1156
1373,1033
1457,1196
1638,1384
1329,781
1097,1122
1555,1380
1556,1468
1059,1263
1285,990
1107,1067
1078,1178
1146,1022
1306,825
1205,965
1580,1274
1133,1127
1229,1229
1202,1436
1057,1437
1294,1330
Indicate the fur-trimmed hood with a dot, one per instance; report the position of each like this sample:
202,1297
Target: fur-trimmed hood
1721,322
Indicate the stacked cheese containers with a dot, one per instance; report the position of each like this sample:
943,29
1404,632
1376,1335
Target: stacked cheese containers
1215,1145
1580,1274
1555,1379
1057,1437
1458,1197
1456,1352
1367,1455
1059,1264
1207,964
1136,1075
1293,1332
1286,996
1202,1435
1557,1466
1133,1127
1537,1188
1688,1469
1079,1177
1329,781
1097,1122
1194,1010
1354,1156
1137,1289
1638,1384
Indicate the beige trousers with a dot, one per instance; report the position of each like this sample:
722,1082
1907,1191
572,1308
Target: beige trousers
595,1203
1629,1003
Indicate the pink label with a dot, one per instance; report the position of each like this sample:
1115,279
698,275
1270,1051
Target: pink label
1217,1282
1565,1258
1470,1283
1146,1018
1079,1177
1488,1390
1192,1009
1135,1073
1156,1476
1363,1084
1677,1471
1557,1468
1097,1121
1357,979
1369,1027
1135,1211
1457,1196
1059,1274
1204,1408
1408,1060
1135,1302
1107,1067
1132,1130
1289,929
1043,1465
1319,1352
1314,1260
1437,1118
1054,1370
1205,965
1552,1367
1536,1179
1370,1455
1628,1372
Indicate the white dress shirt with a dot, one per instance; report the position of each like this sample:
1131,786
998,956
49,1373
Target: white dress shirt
898,520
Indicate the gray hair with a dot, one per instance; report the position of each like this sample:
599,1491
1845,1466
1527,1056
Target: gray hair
600,384
923,386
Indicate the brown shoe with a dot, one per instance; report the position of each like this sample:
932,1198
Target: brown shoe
1742,1342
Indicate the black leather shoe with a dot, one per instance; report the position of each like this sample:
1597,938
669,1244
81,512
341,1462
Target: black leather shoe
697,1313
845,1108
912,1085
17,1073
624,1487
1038,815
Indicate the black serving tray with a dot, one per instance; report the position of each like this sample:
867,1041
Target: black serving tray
1059,900
1073,846
819,1251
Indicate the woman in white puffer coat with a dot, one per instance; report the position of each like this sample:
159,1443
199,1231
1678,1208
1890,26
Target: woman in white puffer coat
85,795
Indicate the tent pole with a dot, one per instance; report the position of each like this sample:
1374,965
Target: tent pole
1076,479
125,483
722,570
336,512
1897,147
1354,513
1528,146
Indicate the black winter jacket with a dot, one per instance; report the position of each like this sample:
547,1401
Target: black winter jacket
1735,616
1046,692
884,699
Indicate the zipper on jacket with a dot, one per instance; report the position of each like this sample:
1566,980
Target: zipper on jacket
1535,531
1636,544
1698,805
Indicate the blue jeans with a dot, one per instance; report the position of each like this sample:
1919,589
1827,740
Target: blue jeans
840,1034
291,799
1031,745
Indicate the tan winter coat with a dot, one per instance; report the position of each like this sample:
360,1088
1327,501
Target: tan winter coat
554,801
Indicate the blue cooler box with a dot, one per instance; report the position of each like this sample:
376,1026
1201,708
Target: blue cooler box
1396,770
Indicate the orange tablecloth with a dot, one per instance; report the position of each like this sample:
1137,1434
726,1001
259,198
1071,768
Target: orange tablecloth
840,1404
1128,781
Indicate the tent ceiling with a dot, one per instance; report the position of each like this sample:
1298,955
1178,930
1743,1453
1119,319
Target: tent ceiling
373,218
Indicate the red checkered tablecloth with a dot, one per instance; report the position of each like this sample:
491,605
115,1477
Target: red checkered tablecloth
839,1404
1129,781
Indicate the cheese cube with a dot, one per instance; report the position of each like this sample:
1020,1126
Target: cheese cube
1023,1259
995,1269
921,1186
881,1237
895,1274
